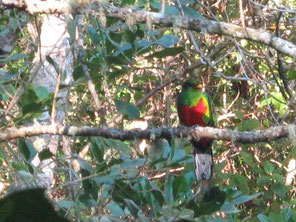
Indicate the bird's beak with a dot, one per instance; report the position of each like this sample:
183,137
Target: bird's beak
199,86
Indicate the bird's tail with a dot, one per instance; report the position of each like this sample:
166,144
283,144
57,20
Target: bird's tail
203,161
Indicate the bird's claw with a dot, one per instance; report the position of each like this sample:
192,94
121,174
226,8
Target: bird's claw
195,136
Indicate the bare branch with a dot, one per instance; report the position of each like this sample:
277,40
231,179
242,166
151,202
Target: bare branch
196,132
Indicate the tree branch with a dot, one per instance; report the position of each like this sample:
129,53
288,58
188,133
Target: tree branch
196,132
199,25
126,14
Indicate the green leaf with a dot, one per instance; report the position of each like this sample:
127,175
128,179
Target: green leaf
115,209
268,167
278,178
65,204
29,102
263,180
85,165
168,190
26,176
186,215
192,13
276,206
45,154
130,37
156,149
247,157
279,189
63,77
14,23
282,110
122,147
115,144
239,114
172,150
127,2
117,60
108,179
229,208
15,57
278,102
71,28
169,10
250,124
240,181
1,156
245,198
176,155
93,35
292,74
125,49
143,44
41,92
132,163
107,218
179,186
53,63
27,149
264,67
78,73
128,109
132,207
167,40
263,218
167,52
211,202
277,217
116,73
264,102
97,148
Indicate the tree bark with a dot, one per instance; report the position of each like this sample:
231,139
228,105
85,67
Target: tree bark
142,16
197,132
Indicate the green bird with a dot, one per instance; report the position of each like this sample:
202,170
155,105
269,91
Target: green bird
195,108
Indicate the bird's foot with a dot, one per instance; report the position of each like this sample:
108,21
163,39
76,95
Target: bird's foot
194,135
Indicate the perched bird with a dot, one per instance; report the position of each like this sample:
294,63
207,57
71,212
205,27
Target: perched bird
195,108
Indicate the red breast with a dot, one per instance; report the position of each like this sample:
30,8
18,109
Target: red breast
190,116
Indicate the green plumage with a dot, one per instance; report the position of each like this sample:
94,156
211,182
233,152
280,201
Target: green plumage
194,106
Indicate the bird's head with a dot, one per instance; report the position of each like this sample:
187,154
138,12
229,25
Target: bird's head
191,83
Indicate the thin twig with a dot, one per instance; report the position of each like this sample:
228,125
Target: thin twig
90,84
283,9
281,68
241,12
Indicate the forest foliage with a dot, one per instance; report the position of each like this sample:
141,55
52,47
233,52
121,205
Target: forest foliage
251,85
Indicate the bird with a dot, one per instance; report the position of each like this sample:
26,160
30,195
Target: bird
195,108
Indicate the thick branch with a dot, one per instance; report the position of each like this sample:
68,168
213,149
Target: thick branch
211,27
136,16
167,133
